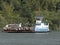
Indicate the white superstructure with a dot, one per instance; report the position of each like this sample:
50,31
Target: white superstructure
40,25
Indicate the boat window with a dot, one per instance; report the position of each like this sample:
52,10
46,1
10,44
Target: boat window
38,24
46,23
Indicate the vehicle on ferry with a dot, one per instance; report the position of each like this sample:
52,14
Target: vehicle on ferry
17,28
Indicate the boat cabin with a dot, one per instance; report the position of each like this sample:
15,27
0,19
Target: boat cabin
41,25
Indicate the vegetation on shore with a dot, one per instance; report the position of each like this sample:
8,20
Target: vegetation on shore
24,11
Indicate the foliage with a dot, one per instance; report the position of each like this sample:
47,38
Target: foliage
24,11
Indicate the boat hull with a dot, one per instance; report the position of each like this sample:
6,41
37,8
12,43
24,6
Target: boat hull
24,31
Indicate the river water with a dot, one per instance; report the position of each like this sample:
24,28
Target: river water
50,38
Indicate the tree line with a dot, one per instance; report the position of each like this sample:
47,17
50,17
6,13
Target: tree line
24,11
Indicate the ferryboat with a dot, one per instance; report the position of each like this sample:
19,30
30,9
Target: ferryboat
40,26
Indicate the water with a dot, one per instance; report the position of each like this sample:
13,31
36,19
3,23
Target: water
51,38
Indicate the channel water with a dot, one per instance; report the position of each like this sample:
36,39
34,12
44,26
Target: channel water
50,38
